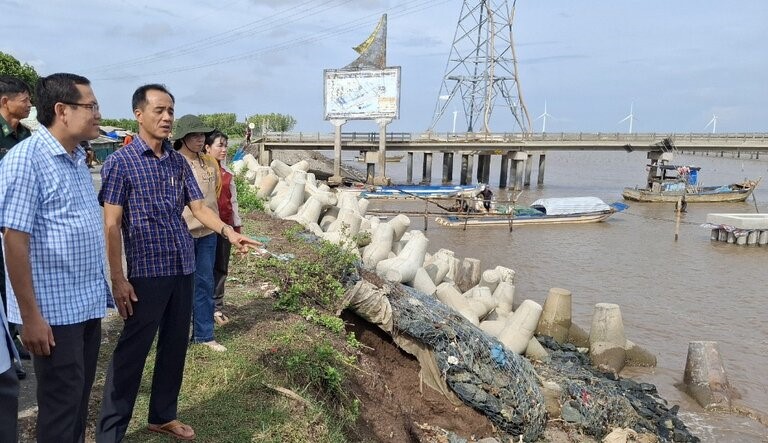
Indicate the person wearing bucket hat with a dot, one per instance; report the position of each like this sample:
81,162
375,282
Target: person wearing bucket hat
189,140
145,187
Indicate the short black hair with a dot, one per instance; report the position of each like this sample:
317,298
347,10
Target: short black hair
56,88
211,137
140,95
10,86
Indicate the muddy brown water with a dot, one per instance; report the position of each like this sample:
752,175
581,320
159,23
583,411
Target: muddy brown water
670,293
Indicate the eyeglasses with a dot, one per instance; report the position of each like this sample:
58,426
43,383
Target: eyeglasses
93,107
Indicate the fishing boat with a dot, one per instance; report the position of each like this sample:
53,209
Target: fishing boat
421,191
670,183
545,211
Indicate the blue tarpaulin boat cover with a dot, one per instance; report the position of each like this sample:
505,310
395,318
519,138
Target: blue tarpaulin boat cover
571,205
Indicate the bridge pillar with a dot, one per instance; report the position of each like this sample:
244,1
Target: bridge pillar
370,173
382,178
540,178
336,178
504,170
409,168
518,160
426,169
464,168
483,168
447,167
528,167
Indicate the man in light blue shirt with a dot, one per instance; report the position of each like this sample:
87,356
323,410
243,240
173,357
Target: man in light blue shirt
9,384
55,253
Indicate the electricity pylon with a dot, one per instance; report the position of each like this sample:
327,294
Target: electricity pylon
482,66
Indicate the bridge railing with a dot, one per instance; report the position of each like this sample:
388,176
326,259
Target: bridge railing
509,137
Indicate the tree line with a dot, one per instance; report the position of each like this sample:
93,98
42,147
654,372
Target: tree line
225,122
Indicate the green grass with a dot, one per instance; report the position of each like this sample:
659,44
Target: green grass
293,342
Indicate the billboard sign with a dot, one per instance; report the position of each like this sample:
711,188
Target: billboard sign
362,94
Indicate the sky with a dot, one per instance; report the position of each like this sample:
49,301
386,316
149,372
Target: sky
676,64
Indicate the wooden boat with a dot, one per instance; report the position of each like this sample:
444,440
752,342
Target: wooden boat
670,183
545,211
390,158
421,191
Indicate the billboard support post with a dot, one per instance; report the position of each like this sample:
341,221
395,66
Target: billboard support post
336,178
381,178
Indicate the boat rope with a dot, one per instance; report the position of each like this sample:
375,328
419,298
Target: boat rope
671,220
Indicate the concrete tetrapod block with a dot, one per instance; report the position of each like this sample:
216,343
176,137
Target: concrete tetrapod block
250,161
403,267
521,326
449,295
468,274
400,223
555,319
329,216
490,279
290,204
301,165
606,338
422,282
348,219
535,351
309,212
505,296
705,377
493,327
506,274
762,238
437,269
348,200
578,336
362,206
638,356
267,185
481,301
281,169
381,245
448,257
238,166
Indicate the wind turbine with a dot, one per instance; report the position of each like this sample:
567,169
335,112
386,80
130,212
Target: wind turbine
712,122
630,117
544,118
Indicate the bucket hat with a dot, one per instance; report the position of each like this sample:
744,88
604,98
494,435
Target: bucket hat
189,124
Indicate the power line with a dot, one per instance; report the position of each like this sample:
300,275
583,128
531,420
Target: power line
350,26
286,16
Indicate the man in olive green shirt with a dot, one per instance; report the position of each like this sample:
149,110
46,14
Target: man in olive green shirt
15,104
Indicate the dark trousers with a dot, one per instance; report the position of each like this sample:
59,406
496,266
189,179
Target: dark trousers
220,270
165,305
9,405
64,381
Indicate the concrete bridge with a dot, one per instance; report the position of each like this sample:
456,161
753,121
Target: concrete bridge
514,149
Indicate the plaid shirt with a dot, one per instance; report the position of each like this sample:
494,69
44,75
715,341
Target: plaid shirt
153,193
49,194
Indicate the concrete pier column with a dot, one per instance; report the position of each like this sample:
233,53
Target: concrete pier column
381,178
762,238
722,235
504,170
752,237
555,318
714,234
409,168
528,167
518,158
447,167
464,166
540,177
426,169
483,168
470,168
606,338
705,377
336,178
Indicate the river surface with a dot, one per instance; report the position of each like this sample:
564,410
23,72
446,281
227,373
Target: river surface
670,293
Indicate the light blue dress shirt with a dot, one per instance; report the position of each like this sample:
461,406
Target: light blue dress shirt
49,194
7,349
